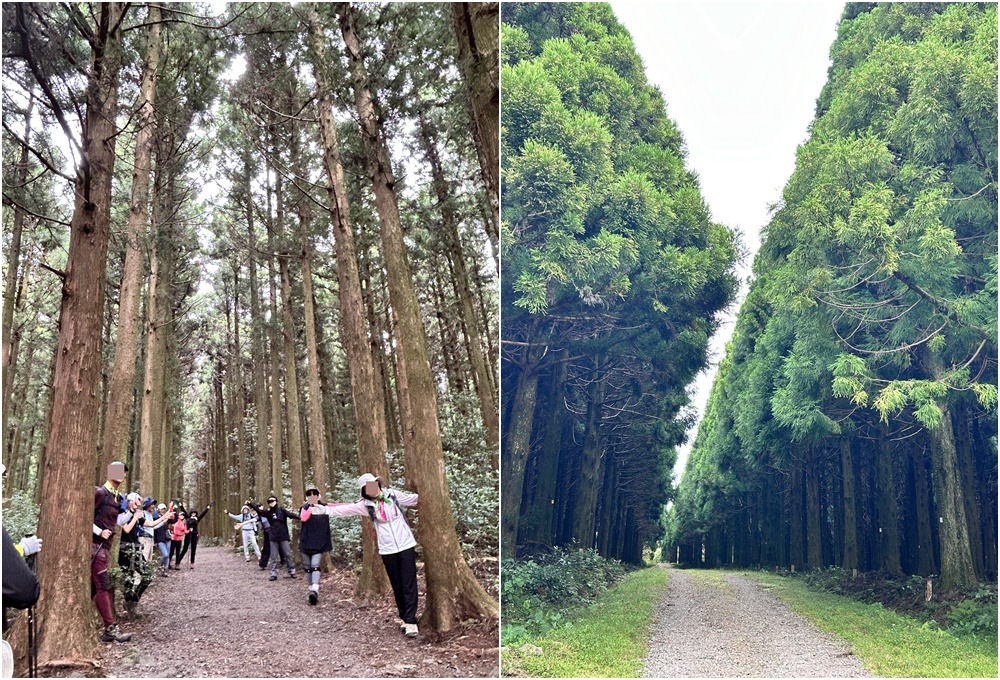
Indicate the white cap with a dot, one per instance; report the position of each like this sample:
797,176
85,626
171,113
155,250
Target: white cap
161,506
133,497
365,478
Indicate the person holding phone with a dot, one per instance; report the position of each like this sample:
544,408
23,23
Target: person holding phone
396,543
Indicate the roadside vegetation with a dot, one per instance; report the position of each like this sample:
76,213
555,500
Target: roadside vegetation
892,644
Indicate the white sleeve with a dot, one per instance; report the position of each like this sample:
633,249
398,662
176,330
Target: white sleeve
405,499
124,518
98,530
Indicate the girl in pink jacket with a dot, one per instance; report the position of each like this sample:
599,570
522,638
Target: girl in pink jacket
176,539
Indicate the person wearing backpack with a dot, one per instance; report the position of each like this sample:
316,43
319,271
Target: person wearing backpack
247,525
396,544
108,516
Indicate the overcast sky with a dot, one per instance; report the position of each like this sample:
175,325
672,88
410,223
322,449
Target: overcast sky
740,80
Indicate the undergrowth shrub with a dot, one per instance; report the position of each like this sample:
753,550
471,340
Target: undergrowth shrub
537,594
20,515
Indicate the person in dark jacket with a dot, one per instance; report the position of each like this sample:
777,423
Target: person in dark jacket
191,537
314,541
161,536
20,585
108,509
281,541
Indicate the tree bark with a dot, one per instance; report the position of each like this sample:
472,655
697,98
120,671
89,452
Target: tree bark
590,461
814,547
262,470
449,229
850,506
548,467
516,451
291,390
317,438
478,37
66,634
453,593
369,412
888,510
120,393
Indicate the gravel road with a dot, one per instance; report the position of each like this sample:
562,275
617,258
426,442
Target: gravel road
225,619
715,624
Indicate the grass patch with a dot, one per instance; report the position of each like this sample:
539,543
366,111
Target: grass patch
605,640
889,644
710,578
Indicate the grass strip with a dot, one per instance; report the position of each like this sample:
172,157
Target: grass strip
888,644
606,640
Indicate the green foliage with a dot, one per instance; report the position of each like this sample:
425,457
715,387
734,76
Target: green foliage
972,618
606,639
889,644
536,594
20,515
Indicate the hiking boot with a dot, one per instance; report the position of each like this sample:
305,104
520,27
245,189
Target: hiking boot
112,634
272,577
313,597
410,629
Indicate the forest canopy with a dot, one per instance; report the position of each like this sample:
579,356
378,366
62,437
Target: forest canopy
853,420
613,278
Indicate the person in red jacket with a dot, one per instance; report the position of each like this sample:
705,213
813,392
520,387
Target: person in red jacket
176,539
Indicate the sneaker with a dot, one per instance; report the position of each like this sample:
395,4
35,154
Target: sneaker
291,574
164,573
313,597
272,577
402,626
411,629
246,559
112,634
191,567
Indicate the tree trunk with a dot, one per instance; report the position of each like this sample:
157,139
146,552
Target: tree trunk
850,532
953,529
291,390
152,384
13,266
277,446
66,634
317,438
369,411
925,546
262,471
796,514
814,554
453,593
962,421
478,37
548,469
590,461
888,510
449,227
120,393
517,450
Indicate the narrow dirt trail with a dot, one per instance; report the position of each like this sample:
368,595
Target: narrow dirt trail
715,624
225,619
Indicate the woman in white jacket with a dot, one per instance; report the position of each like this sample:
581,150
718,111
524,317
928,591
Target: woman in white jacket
384,507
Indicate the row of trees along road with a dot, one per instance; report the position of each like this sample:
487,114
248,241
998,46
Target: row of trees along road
853,421
242,283
613,279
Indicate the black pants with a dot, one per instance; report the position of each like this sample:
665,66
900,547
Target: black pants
175,550
402,570
190,541
265,553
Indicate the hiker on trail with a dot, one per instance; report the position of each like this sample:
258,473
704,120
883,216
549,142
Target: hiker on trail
191,539
281,545
177,533
147,534
134,566
20,585
247,526
314,541
107,517
396,544
265,551
161,536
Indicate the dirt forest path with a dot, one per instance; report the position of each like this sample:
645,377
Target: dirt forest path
225,619
715,624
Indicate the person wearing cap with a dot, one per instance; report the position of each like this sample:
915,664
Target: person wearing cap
177,533
314,541
107,517
161,536
281,540
134,566
247,525
396,544
147,532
